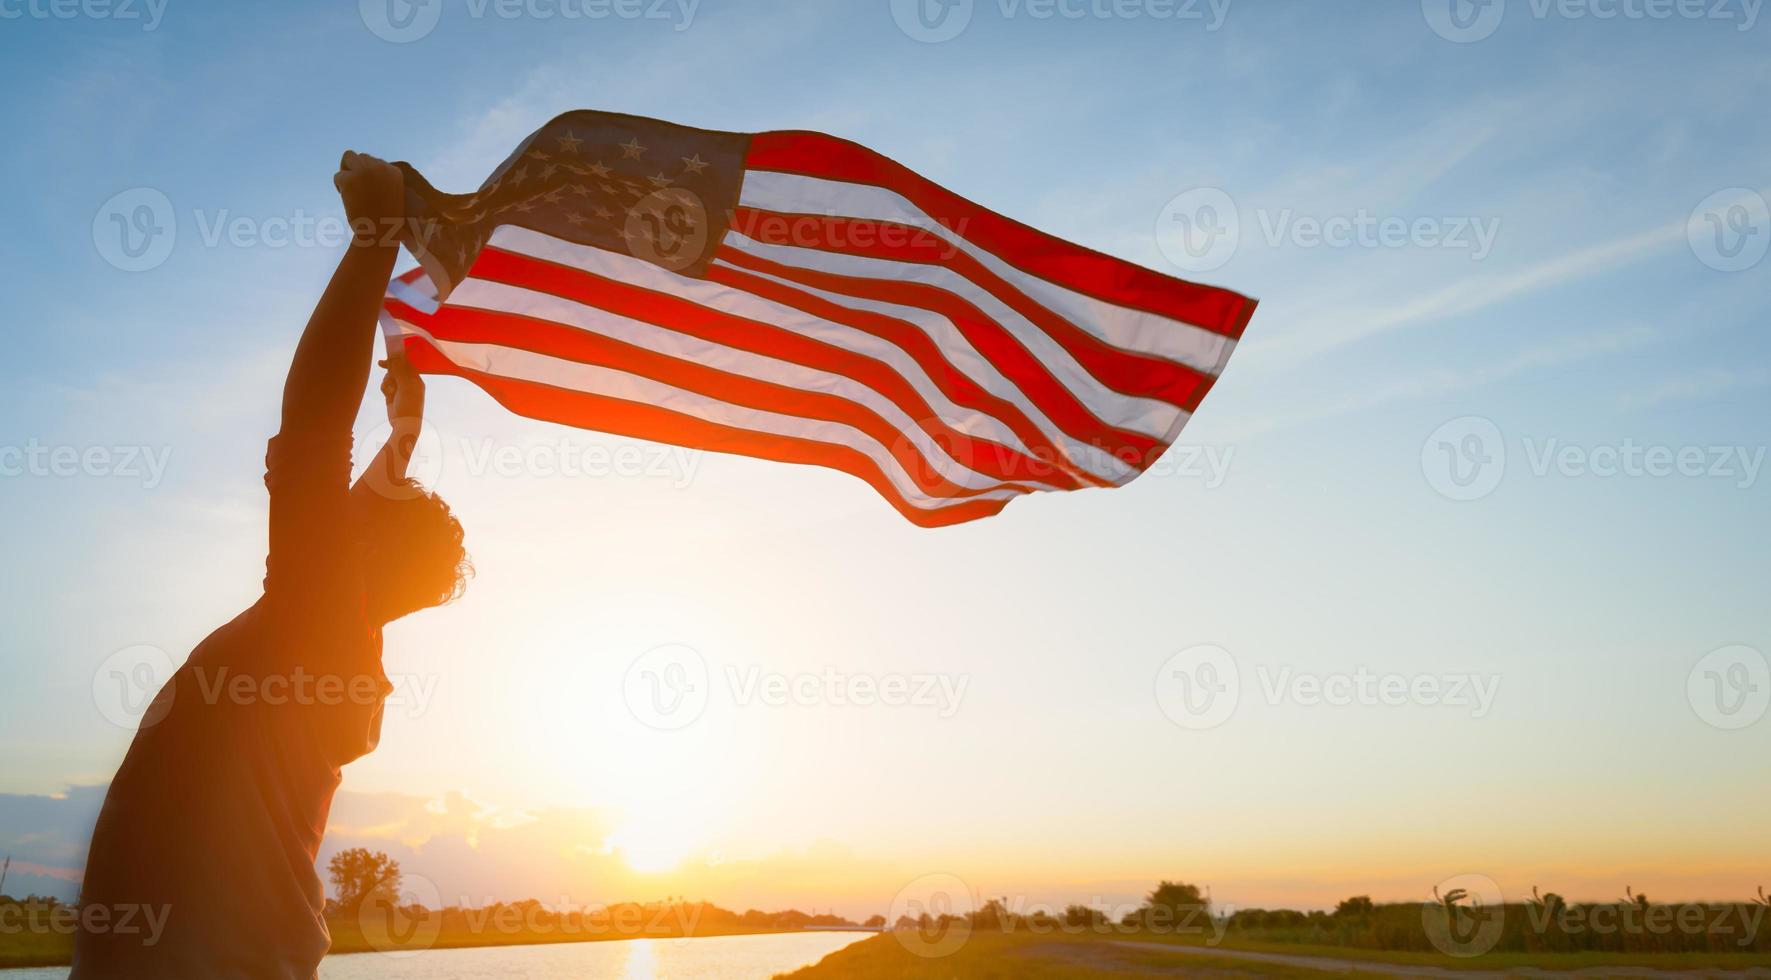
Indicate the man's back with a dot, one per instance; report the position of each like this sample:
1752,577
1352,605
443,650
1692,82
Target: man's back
214,820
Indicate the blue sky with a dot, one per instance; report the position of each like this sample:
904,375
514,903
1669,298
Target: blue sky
1597,315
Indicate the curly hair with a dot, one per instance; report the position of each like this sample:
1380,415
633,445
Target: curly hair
413,546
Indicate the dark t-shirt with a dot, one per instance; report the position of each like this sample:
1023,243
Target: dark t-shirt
214,820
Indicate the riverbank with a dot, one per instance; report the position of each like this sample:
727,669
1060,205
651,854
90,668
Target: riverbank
25,950
999,956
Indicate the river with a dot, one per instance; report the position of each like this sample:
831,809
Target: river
714,958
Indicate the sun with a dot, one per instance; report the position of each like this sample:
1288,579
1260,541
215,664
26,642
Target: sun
650,847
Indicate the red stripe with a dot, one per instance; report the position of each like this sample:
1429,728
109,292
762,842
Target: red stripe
470,325
1015,362
958,386
688,317
1034,252
1127,372
621,417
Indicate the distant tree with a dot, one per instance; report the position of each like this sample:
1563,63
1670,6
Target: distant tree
360,875
1550,902
1175,902
993,914
875,922
1083,917
1357,906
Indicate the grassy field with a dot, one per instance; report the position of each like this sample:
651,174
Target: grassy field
989,956
1026,957
35,949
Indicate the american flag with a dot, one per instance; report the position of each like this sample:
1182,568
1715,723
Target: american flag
797,297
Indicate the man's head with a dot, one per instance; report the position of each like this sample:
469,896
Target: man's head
413,556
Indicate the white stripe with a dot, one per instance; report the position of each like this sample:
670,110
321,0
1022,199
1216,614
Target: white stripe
523,365
415,294
1123,327
737,302
1148,416
1090,459
503,298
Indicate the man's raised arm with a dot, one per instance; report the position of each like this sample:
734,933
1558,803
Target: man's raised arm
331,366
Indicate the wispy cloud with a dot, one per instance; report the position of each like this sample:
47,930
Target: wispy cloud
1443,381
1341,327
1698,386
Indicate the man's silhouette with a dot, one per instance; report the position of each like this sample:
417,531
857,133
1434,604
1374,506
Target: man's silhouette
215,818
